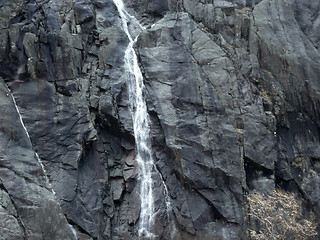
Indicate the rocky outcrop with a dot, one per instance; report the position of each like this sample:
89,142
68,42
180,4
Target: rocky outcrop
29,208
233,97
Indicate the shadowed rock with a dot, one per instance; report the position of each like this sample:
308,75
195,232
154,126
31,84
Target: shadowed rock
232,90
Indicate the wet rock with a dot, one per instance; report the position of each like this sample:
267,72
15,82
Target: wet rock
233,97
28,206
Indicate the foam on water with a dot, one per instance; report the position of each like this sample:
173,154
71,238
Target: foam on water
141,127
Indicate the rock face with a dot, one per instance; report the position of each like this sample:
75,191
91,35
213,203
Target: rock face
233,95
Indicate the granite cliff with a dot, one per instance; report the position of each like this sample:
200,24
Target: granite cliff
232,89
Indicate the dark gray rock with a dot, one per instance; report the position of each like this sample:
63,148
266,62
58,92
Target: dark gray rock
289,60
9,222
233,97
29,208
187,98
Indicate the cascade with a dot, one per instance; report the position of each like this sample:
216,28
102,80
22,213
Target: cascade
26,132
19,71
74,232
37,157
144,156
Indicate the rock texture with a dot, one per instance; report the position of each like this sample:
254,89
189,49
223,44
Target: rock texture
233,94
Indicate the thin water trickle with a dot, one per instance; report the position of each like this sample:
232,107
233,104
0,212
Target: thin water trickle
144,156
27,133
36,154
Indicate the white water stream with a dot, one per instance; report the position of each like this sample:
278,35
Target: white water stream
141,129
26,131
74,232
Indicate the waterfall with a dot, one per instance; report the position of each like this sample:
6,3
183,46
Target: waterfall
74,232
141,129
26,131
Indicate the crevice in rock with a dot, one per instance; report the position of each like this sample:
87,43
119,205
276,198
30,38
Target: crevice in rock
254,172
292,186
90,182
287,185
216,214
77,227
316,163
62,90
112,125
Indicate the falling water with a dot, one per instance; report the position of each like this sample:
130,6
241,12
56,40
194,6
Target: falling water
141,129
36,154
26,131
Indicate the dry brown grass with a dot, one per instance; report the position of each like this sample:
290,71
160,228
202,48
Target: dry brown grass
278,216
